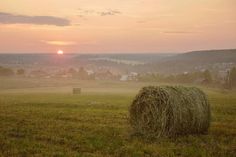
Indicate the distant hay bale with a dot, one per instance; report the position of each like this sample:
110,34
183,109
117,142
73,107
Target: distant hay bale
76,90
166,111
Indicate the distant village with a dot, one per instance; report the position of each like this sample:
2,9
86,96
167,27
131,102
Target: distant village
80,73
219,74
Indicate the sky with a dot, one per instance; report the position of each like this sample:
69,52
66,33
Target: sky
116,26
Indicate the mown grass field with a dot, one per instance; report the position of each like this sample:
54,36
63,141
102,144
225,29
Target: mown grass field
50,121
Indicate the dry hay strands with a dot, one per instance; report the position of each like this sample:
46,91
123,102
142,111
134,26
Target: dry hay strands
167,111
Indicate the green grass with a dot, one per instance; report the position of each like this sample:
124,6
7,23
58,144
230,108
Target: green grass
57,123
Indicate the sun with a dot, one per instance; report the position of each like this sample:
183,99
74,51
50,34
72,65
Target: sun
60,52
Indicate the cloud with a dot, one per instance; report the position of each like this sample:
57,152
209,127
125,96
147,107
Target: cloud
109,13
59,43
84,12
7,18
178,32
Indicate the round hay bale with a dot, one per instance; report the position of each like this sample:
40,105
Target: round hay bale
166,111
76,90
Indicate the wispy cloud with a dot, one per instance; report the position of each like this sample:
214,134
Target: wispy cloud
109,12
59,43
7,18
178,32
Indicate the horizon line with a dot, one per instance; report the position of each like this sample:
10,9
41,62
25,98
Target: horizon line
99,53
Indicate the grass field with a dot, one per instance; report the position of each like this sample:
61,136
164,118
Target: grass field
50,121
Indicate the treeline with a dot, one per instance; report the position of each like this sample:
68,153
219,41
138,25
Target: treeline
199,77
80,74
230,81
4,71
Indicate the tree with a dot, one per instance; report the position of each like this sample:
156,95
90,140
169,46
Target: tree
20,72
72,71
6,71
82,74
207,77
232,78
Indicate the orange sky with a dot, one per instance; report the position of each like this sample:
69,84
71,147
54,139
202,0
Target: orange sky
116,26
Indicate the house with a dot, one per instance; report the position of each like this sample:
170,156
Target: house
132,76
124,78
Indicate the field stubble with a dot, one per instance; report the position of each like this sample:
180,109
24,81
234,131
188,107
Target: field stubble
96,124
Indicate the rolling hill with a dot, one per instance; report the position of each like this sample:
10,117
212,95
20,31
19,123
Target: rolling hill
196,60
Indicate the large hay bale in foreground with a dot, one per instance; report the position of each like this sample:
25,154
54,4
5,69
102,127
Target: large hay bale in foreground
170,111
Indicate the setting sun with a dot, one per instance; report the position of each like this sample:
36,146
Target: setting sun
60,52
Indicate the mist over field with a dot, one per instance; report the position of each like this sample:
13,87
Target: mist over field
112,78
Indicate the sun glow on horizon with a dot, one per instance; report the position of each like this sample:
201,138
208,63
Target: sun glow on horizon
60,52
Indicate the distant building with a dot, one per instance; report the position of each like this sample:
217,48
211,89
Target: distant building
124,78
132,76
223,75
90,72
